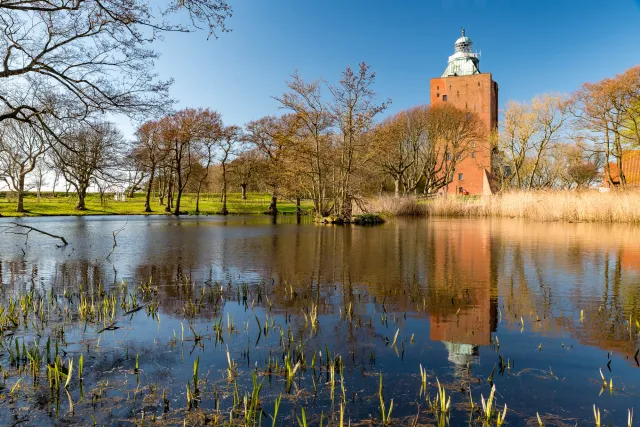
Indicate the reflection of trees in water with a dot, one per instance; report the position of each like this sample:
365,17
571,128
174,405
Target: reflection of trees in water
451,270
552,274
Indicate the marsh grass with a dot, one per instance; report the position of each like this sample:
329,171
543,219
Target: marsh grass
389,205
573,206
199,396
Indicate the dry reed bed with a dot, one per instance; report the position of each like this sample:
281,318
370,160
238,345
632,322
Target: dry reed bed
576,206
585,206
396,206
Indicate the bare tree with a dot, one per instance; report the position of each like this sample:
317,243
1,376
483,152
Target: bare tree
89,153
22,147
209,146
150,153
226,149
184,132
353,111
515,141
41,172
71,58
449,140
274,138
314,145
608,114
399,147
56,179
550,117
243,169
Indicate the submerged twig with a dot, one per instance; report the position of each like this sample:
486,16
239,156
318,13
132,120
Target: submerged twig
115,234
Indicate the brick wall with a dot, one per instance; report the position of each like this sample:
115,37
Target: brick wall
479,94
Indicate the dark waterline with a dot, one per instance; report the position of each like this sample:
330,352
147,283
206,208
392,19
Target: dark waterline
560,299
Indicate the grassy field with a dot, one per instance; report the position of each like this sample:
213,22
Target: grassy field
209,204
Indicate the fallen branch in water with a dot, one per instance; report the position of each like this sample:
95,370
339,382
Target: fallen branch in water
13,225
115,234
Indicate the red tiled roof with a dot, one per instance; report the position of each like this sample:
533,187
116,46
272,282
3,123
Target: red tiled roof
630,165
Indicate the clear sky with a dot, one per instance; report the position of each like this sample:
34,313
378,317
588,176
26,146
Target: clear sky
530,47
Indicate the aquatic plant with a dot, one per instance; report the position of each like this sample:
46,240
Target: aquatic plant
443,401
385,415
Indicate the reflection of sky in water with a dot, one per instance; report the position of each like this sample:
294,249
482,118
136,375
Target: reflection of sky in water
460,284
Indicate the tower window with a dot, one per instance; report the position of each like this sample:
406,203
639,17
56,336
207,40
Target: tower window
448,156
473,144
473,154
437,87
460,177
444,98
437,95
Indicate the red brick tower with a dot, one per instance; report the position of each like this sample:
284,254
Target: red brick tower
465,87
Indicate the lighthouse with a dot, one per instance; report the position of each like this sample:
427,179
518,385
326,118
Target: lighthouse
464,86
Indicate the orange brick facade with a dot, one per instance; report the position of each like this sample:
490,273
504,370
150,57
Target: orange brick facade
476,93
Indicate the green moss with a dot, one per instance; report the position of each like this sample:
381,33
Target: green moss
362,219
368,219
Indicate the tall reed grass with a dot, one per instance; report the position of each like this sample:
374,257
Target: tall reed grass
575,206
396,206
572,206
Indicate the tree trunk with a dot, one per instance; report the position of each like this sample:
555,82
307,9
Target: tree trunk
243,187
273,206
176,210
179,188
147,201
167,208
198,197
224,210
82,192
20,207
298,210
397,187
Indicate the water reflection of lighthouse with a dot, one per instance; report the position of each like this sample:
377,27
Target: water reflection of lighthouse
463,291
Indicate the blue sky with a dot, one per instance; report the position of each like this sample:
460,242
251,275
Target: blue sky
530,47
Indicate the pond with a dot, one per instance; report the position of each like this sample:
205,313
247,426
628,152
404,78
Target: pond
214,320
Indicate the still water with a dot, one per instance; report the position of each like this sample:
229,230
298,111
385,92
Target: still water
537,309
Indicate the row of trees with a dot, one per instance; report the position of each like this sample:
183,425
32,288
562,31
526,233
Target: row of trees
65,64
68,63
570,141
326,147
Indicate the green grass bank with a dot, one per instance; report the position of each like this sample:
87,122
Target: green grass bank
62,205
